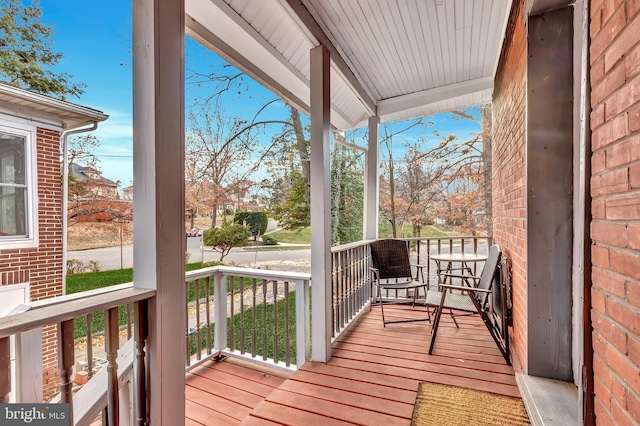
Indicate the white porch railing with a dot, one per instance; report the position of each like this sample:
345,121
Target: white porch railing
351,278
63,312
266,318
265,313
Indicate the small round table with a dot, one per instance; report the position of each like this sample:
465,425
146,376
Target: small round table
450,258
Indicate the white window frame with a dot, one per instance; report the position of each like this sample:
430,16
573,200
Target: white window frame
29,132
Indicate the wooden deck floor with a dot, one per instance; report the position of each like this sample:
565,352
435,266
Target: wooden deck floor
372,377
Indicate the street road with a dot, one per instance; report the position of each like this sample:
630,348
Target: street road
110,257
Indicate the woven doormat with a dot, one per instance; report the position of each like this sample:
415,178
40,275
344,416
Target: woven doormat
444,405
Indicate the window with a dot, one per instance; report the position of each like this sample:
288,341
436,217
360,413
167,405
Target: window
17,228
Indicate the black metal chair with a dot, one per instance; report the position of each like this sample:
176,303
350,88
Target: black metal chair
487,299
392,271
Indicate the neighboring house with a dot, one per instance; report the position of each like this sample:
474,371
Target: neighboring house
31,251
127,193
94,184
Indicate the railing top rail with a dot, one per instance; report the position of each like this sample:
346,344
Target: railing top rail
350,245
80,295
248,273
71,309
453,237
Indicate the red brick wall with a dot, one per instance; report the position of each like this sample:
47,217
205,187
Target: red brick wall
42,266
509,170
615,226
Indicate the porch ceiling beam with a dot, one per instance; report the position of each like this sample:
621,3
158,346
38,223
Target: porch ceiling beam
426,97
309,21
208,39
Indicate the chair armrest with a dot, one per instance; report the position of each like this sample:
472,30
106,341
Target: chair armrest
460,276
461,288
375,273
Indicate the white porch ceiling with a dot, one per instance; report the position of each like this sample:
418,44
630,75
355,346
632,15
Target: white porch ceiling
397,59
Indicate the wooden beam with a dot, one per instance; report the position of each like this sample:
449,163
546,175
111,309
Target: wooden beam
426,97
316,30
371,197
52,314
320,204
158,169
550,115
208,39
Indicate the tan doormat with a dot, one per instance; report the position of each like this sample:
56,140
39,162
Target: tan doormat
444,405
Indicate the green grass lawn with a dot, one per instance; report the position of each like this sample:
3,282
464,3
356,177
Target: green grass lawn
95,280
429,231
77,283
293,237
244,331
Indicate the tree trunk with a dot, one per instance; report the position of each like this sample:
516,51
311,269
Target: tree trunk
302,149
214,213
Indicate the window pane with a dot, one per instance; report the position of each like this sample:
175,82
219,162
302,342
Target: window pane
13,212
13,193
12,163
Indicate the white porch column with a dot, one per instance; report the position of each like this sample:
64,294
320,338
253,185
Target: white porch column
371,195
158,169
320,205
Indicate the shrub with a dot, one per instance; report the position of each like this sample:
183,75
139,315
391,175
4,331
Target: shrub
223,239
269,241
212,263
93,266
255,221
76,266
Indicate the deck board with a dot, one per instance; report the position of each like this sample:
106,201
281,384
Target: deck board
372,377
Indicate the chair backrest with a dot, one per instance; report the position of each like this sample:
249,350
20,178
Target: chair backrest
391,259
488,274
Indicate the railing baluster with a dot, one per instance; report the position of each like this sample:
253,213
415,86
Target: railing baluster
232,329
187,334
207,294
5,369
66,358
89,320
264,320
341,293
128,321
140,377
428,263
254,337
111,348
242,327
335,291
275,321
198,335
287,334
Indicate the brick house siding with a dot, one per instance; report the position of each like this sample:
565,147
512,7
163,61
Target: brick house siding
509,171
615,226
42,266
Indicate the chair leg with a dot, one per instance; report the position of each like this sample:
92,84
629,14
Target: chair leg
384,324
436,322
453,317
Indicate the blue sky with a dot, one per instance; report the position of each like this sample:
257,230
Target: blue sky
95,38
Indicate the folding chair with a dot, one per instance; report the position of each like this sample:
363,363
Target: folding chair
481,296
392,271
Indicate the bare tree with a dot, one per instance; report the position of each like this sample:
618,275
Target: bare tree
388,134
225,152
